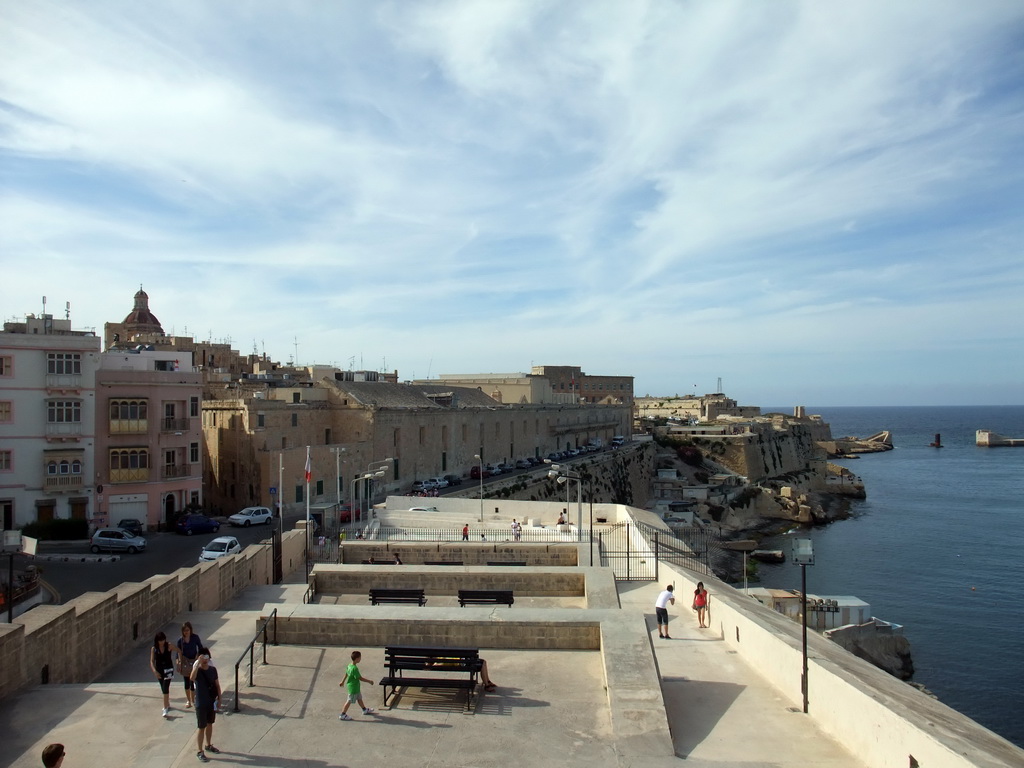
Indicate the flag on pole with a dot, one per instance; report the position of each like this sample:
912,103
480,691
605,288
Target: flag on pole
309,469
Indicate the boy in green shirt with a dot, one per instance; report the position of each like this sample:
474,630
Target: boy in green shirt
352,682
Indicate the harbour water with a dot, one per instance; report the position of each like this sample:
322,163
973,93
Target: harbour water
937,547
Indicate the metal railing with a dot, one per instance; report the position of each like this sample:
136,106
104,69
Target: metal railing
310,594
250,650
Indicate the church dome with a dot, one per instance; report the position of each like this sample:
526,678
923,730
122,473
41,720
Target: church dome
140,319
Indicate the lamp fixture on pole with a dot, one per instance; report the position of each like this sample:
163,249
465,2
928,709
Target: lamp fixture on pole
480,474
803,555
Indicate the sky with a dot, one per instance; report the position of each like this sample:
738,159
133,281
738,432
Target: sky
817,203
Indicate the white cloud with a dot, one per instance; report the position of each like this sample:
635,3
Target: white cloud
642,188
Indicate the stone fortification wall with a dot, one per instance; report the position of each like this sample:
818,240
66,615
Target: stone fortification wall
768,452
620,476
77,641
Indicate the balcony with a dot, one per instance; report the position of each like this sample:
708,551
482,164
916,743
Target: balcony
171,471
129,426
137,475
63,482
62,429
64,381
173,425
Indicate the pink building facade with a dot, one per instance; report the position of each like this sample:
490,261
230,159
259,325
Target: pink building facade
149,443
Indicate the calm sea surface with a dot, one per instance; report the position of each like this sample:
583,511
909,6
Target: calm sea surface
937,547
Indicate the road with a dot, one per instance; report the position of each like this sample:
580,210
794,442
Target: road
165,553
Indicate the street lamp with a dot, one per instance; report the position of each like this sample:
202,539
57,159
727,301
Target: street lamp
803,555
560,476
480,474
367,478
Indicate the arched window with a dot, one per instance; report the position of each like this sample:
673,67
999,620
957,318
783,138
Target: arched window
65,466
76,467
51,468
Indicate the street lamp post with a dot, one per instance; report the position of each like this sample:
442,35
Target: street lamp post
562,476
803,555
480,474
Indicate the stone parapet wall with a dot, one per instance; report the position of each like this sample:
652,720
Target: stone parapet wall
76,642
471,627
415,553
882,720
448,580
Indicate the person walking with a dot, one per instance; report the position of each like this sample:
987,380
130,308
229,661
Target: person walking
163,667
398,560
465,532
188,645
352,682
207,700
517,529
661,605
700,603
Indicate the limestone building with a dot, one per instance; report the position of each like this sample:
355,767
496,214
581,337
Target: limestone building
47,421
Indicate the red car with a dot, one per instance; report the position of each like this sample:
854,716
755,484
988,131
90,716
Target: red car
474,473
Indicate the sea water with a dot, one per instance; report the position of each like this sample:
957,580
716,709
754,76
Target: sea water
936,547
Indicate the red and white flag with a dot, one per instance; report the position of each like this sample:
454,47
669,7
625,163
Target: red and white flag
309,469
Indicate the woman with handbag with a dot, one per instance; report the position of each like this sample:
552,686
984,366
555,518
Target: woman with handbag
162,666
189,645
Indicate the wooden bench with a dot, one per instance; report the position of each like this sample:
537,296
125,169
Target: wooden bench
464,662
378,596
485,597
506,562
378,562
442,562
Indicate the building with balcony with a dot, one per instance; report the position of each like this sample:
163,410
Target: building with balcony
47,421
149,452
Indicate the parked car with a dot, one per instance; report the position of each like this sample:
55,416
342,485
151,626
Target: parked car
523,464
116,540
133,526
252,516
423,509
506,467
345,513
494,469
222,546
572,452
196,523
422,485
453,480
439,482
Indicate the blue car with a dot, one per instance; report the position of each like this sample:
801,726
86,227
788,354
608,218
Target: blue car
196,523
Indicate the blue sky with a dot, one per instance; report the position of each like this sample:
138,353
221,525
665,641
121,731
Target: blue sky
819,203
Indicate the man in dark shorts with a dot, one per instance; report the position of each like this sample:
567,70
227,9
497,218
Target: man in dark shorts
207,684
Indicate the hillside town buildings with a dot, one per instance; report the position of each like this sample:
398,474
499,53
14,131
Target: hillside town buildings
153,424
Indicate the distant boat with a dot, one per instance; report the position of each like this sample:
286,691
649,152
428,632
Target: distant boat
990,439
938,441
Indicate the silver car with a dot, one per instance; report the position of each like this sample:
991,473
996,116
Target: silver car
116,540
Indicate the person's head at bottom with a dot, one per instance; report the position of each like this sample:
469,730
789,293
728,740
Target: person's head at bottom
53,755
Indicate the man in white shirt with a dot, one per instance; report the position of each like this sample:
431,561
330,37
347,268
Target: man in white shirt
661,610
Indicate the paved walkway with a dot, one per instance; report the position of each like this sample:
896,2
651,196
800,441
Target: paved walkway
550,709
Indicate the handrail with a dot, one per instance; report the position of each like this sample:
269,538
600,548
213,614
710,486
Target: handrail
310,590
249,650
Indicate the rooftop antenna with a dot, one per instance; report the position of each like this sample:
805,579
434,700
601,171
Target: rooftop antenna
719,389
67,310
44,305
296,341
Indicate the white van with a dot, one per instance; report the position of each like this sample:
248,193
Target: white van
617,441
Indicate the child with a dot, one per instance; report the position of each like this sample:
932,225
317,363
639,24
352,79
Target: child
352,681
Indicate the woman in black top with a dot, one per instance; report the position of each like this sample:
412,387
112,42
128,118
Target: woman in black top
163,667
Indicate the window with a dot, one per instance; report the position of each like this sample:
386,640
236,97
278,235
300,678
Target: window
319,487
63,411
260,420
423,435
6,460
64,363
5,411
193,407
6,366
298,494
193,453
295,419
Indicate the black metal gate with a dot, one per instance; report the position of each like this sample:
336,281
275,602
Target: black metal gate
632,550
278,556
